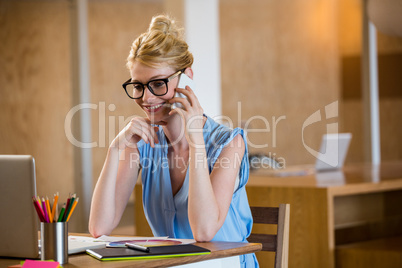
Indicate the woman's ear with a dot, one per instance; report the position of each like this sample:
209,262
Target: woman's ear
189,72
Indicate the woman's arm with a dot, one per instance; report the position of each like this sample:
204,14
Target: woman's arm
118,176
113,189
210,194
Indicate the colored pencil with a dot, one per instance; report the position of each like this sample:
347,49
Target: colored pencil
56,198
69,206
72,209
62,213
45,210
38,204
37,210
49,212
57,212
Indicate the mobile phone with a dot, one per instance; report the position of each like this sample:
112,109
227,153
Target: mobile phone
183,82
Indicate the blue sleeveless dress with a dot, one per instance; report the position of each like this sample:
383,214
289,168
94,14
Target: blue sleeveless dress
167,214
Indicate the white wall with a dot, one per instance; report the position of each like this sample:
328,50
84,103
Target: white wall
201,22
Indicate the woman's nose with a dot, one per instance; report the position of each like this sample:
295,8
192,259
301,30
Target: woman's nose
147,94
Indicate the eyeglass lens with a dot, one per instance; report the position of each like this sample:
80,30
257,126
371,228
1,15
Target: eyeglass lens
158,88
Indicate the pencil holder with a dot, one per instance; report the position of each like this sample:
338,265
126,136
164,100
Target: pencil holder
54,241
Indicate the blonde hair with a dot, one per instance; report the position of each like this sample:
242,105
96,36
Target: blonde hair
163,43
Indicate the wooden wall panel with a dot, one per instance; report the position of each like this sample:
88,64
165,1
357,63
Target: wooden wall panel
279,58
391,128
35,89
389,61
387,44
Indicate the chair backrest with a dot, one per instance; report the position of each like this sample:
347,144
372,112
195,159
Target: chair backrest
278,243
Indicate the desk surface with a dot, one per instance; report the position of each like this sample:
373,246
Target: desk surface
218,250
327,209
356,178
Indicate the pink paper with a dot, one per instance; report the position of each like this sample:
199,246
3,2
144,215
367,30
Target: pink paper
40,264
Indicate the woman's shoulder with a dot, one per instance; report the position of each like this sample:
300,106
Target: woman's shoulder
220,134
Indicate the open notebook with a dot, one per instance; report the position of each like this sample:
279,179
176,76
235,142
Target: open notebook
79,244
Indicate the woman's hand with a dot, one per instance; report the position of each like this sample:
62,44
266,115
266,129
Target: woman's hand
138,129
191,113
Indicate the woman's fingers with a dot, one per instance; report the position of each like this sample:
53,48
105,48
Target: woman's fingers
137,129
156,129
152,129
146,131
191,97
183,101
190,104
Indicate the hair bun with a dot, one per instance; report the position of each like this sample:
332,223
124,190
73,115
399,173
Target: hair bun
163,23
163,43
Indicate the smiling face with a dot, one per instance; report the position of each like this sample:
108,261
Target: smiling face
156,108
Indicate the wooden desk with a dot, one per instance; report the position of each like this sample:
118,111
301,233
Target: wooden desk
218,250
361,203
379,253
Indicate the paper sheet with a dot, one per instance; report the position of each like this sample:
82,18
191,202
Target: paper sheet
78,244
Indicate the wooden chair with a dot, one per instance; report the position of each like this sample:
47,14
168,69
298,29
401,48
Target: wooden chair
278,243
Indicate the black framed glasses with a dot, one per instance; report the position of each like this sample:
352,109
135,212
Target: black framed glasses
158,87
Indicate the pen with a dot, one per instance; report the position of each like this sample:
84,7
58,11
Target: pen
137,247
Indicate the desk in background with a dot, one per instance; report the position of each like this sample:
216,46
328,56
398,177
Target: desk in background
360,203
218,250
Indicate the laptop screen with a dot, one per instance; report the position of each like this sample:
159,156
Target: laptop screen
333,151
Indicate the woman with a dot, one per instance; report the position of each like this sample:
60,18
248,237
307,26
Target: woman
194,171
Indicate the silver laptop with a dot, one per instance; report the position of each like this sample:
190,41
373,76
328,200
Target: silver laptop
19,222
333,151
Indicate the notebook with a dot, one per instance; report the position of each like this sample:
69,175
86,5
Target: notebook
78,244
19,224
330,157
112,254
